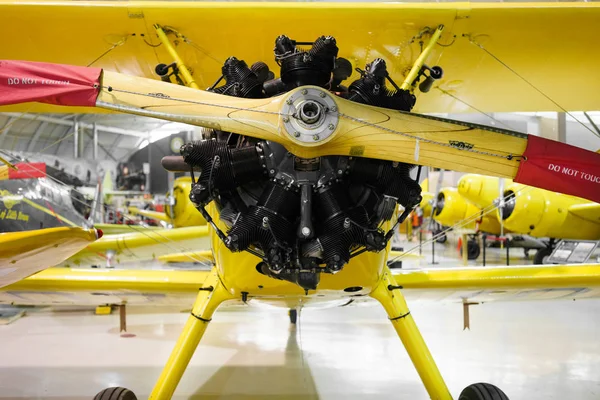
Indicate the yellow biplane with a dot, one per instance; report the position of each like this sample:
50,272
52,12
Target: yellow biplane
523,210
300,174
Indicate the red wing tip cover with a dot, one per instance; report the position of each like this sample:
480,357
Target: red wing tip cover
66,85
24,171
560,167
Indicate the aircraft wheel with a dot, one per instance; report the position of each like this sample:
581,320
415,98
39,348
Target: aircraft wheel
115,393
482,391
473,250
441,238
540,255
293,313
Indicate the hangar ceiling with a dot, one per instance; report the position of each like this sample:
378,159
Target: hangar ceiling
119,136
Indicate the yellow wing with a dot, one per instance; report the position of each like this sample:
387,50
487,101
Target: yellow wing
188,257
96,286
538,41
105,286
150,214
502,283
589,211
113,229
25,253
143,245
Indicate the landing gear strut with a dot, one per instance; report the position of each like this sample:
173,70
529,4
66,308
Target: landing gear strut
540,256
389,294
293,313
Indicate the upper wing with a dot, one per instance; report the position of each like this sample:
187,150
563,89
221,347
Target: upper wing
502,283
492,53
25,253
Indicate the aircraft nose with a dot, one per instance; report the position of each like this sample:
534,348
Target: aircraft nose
440,202
469,184
509,204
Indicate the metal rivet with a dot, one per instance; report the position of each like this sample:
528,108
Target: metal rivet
304,91
331,127
334,108
288,102
297,134
286,119
315,137
322,94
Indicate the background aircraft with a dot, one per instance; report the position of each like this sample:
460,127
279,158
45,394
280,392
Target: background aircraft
34,198
527,211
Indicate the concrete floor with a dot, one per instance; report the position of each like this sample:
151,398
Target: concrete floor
535,350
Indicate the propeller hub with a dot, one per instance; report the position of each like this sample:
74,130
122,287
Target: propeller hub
309,115
311,112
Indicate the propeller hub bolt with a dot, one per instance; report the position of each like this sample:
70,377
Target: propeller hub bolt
311,112
297,134
286,119
334,109
304,91
331,127
315,137
322,95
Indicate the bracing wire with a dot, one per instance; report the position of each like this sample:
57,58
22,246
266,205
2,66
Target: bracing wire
462,223
474,108
480,46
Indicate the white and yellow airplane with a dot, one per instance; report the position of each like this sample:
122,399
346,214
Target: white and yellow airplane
301,176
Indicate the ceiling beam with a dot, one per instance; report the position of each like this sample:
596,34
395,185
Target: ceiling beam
87,125
6,129
41,127
108,153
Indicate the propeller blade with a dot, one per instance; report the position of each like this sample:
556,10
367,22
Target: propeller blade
258,118
311,122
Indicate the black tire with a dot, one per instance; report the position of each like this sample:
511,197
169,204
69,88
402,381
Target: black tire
473,250
115,393
442,238
293,316
482,391
538,259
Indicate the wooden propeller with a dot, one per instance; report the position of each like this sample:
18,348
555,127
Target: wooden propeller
347,128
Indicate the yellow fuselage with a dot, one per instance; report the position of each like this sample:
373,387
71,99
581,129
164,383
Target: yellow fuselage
238,273
541,213
457,210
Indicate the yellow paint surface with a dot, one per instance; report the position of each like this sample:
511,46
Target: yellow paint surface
540,41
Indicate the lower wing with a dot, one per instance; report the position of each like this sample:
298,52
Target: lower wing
99,286
25,253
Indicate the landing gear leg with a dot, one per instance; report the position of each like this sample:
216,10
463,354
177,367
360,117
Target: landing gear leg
211,295
391,298
293,313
